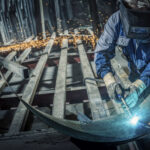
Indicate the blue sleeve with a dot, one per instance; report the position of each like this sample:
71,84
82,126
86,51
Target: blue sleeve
105,49
145,75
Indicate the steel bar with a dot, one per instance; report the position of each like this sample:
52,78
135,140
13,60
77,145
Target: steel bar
58,17
69,9
47,15
94,16
14,67
90,31
60,89
9,73
42,19
21,114
96,103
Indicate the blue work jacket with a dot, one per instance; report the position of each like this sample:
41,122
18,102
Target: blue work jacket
138,54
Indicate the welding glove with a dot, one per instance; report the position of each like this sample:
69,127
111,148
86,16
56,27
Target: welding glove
114,89
135,90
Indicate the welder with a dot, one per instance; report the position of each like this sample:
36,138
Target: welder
128,28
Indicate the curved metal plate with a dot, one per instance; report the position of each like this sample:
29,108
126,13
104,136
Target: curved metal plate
112,129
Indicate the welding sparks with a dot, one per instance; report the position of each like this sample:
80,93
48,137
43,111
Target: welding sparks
42,43
134,120
23,46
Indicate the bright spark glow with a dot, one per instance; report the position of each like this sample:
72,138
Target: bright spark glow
72,39
134,120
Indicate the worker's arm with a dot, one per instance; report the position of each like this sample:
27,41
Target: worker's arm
105,49
138,87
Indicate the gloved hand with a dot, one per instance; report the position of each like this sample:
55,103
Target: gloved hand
135,90
113,88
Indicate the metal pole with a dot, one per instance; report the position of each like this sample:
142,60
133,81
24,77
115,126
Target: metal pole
94,16
42,19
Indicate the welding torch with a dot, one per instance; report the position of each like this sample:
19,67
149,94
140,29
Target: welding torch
125,104
133,119
119,92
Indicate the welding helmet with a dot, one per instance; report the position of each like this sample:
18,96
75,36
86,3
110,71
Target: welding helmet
135,17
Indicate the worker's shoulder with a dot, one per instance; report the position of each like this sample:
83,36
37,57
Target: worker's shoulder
115,17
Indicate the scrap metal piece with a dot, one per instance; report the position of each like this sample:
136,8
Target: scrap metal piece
15,67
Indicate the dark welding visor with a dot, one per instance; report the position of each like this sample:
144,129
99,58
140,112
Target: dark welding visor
136,23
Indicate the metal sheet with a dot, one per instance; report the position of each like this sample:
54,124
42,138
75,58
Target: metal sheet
111,129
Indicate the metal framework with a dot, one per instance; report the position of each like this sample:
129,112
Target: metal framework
66,88
56,81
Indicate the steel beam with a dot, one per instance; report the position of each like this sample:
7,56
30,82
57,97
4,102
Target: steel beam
42,19
9,73
21,114
60,89
97,106
14,67
58,17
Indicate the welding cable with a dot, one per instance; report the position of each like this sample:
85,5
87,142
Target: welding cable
83,82
75,83
93,79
